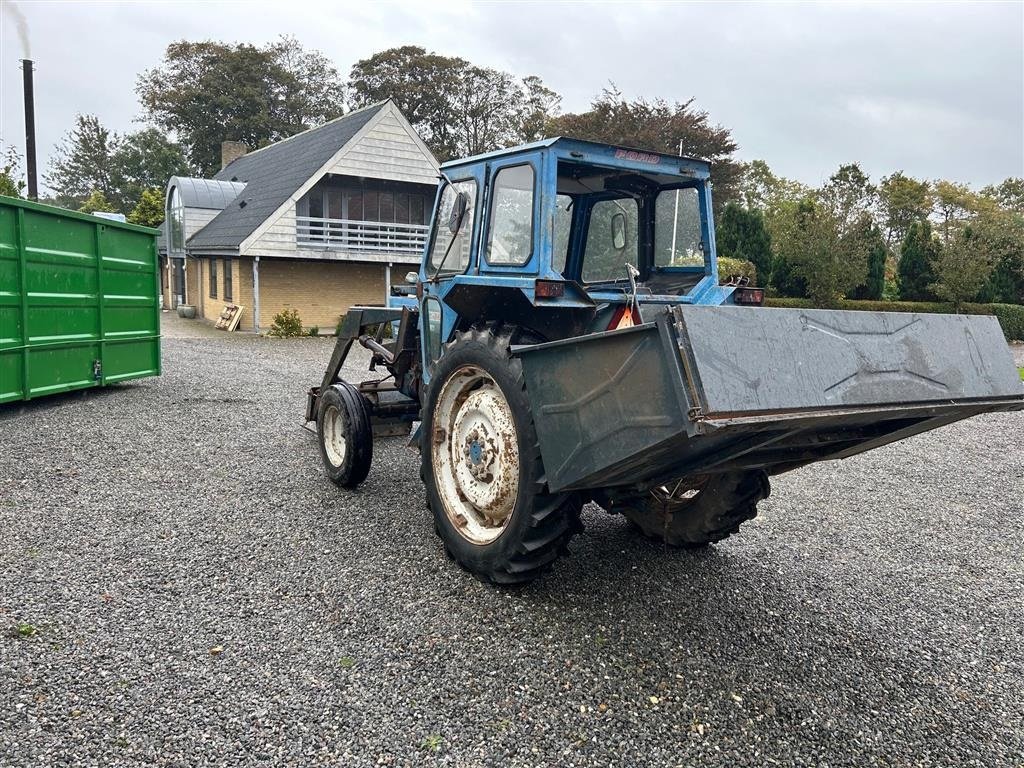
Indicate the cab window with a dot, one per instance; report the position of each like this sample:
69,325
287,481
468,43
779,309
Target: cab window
449,254
677,234
611,240
511,237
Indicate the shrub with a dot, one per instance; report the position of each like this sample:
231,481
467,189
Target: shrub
1010,316
286,324
314,330
728,268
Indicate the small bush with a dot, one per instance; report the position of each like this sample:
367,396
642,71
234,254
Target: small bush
314,330
729,268
1010,316
286,324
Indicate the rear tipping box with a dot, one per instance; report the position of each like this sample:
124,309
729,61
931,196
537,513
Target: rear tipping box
707,389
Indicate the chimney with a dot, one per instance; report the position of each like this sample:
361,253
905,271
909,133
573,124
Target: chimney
231,151
30,129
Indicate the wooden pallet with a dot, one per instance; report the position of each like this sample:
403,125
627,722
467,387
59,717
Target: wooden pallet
229,317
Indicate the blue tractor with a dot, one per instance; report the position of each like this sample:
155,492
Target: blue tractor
568,338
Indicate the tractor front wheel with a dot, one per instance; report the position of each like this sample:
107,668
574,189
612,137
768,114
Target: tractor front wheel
481,465
345,434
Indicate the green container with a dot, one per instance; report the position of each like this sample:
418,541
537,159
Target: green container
78,301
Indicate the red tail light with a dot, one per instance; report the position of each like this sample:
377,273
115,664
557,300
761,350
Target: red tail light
750,296
549,289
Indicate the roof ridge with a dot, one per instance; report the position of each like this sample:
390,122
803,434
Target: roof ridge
308,130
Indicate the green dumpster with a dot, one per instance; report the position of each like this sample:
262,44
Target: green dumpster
79,301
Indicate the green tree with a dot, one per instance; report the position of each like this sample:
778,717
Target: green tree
1000,235
459,109
207,92
742,235
1009,194
830,264
961,270
83,163
759,188
954,203
11,183
866,237
902,201
658,126
144,160
916,268
149,211
849,195
95,202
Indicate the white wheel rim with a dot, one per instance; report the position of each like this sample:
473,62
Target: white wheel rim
475,455
335,444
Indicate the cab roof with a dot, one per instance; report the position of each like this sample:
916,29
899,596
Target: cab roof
595,152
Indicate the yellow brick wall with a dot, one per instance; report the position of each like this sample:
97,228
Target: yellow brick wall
192,283
321,291
210,308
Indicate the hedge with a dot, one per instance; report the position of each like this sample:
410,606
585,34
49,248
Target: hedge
1010,316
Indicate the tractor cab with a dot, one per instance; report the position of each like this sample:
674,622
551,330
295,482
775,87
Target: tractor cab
571,236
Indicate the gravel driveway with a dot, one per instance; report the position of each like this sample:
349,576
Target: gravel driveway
179,585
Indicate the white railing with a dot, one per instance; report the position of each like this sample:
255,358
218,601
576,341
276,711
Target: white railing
351,235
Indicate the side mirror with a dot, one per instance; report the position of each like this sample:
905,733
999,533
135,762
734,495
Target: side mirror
619,232
458,214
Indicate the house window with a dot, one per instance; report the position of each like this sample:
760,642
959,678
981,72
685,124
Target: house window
213,277
176,222
228,287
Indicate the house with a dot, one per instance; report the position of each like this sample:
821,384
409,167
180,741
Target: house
317,222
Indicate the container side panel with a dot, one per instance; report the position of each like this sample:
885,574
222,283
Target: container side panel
55,369
11,331
10,375
130,306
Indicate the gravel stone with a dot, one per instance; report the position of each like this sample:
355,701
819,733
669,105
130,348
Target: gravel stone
181,586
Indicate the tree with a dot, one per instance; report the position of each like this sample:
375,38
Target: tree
92,158
961,270
742,235
83,163
849,195
96,201
208,92
760,188
1000,235
867,237
459,109
902,201
953,203
658,126
11,183
149,211
811,244
144,160
1009,194
916,268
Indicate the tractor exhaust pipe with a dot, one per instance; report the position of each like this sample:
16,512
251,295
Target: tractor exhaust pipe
30,129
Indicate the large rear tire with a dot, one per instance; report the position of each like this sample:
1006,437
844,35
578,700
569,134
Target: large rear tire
696,512
482,469
345,434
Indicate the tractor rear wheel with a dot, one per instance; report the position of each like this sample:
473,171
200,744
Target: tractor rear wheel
482,468
698,511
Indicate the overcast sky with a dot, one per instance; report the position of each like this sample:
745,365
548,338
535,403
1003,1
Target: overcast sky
933,89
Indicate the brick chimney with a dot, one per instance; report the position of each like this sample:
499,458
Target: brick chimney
230,151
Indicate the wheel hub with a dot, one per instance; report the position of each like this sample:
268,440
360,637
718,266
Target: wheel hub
477,466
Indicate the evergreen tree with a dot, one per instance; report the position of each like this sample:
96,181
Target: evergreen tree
917,263
149,211
742,235
97,201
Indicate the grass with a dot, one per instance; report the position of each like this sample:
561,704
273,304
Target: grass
432,743
1021,372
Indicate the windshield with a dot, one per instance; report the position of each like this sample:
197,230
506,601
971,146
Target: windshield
450,255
